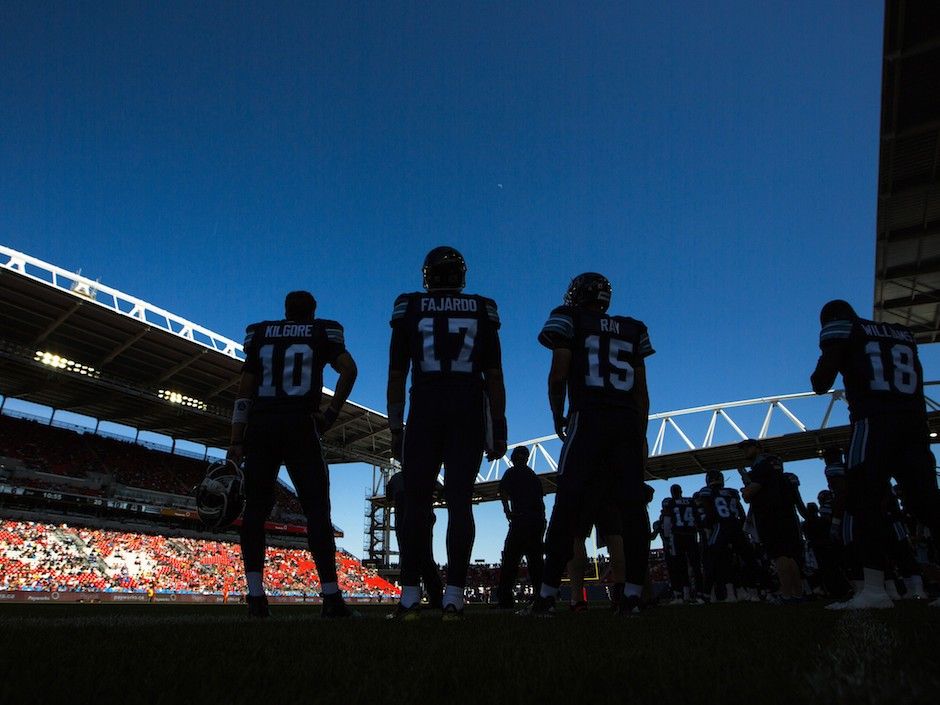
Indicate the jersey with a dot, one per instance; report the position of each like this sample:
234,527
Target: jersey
720,505
448,339
681,514
605,353
775,493
879,364
287,358
524,490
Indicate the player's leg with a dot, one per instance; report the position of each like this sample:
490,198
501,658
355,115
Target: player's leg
917,475
576,568
422,454
509,568
462,455
867,486
626,462
262,459
579,456
310,477
430,577
618,564
535,555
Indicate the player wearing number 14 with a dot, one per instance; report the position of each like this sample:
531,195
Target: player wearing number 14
885,392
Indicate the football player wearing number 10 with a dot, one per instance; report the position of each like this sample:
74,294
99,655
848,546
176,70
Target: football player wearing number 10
599,361
450,341
884,389
277,419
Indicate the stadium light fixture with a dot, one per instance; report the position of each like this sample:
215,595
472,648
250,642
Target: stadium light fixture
182,400
62,363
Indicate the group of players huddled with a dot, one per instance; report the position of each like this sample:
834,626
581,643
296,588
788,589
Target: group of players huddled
448,341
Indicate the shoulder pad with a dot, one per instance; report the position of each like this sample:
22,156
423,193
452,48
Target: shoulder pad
834,331
401,306
559,327
333,331
489,306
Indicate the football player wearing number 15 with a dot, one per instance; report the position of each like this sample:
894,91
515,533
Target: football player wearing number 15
599,360
884,389
277,419
457,409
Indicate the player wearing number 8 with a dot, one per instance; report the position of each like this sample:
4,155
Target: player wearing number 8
884,389
450,342
277,420
599,361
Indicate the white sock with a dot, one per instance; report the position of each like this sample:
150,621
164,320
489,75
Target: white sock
255,584
632,590
858,586
686,593
453,595
729,588
548,591
874,580
329,588
410,596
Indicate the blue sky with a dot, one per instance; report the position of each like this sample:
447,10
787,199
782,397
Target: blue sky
718,161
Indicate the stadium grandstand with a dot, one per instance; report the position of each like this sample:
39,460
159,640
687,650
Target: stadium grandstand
87,512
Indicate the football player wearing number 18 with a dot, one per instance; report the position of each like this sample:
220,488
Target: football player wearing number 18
884,389
277,420
599,361
450,342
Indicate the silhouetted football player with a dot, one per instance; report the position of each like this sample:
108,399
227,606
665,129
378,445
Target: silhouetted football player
450,342
524,506
722,517
598,361
680,526
884,389
772,497
277,419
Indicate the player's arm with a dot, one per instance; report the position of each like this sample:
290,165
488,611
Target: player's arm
345,367
748,492
833,341
504,498
247,386
398,366
494,384
557,388
644,349
798,499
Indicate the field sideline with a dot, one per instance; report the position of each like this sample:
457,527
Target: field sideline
723,654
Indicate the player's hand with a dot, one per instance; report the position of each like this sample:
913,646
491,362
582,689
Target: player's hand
561,427
497,451
236,453
325,420
398,442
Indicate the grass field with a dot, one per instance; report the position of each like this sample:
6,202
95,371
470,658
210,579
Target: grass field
720,654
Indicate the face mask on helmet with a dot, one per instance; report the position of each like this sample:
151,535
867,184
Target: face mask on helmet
220,496
714,478
444,270
589,289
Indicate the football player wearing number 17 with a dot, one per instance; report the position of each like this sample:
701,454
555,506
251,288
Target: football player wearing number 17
277,419
450,342
885,392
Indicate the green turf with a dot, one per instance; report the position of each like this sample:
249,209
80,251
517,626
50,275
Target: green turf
721,654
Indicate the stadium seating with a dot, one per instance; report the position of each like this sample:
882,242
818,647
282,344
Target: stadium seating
36,556
65,452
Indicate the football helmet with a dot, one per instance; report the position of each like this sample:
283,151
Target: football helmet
220,497
444,269
714,478
589,288
824,496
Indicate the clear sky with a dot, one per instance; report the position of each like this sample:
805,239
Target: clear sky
717,161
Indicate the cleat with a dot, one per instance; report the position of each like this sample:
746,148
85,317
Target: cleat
629,606
451,613
435,601
405,614
578,607
539,607
865,600
258,607
335,608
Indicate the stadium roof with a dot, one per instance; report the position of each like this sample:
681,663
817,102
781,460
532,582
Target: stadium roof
907,256
73,344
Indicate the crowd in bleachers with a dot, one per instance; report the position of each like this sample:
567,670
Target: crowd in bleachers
66,452
36,556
